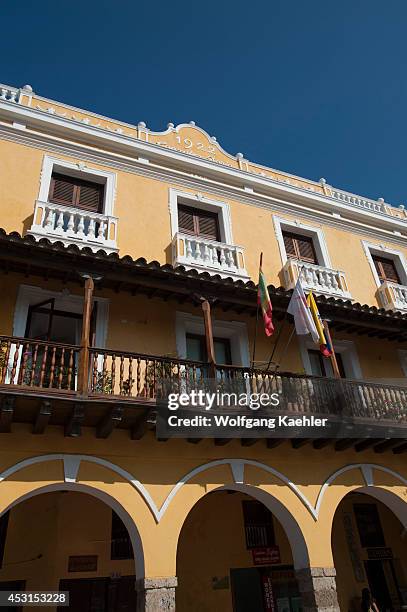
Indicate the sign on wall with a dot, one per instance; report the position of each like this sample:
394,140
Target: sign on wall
266,555
269,605
83,563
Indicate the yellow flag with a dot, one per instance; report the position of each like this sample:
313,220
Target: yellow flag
317,318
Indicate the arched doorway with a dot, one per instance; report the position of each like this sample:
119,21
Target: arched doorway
369,545
235,554
71,538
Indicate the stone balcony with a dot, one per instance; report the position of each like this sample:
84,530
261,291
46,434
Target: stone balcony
74,226
204,255
316,278
392,296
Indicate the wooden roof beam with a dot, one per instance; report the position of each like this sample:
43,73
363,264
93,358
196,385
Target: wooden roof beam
110,421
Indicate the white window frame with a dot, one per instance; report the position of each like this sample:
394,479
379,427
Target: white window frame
383,251
316,233
345,348
81,170
201,202
235,331
30,294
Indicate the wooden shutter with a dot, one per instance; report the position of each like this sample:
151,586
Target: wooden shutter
289,245
186,220
90,196
198,222
208,224
62,190
72,191
299,247
386,269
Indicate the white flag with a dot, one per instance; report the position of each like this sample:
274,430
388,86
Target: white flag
298,307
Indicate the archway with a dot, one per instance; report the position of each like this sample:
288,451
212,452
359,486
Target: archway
369,545
238,550
76,538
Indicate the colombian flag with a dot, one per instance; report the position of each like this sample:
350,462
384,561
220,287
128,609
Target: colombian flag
324,345
263,299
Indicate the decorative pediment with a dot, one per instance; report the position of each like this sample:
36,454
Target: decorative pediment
193,140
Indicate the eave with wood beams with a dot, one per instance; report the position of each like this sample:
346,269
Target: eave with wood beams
81,385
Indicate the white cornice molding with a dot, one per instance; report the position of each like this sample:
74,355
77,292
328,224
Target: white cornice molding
369,224
192,163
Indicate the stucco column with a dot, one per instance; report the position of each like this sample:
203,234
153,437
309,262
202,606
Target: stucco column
156,594
318,589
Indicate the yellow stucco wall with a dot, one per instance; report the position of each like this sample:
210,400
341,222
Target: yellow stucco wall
158,467
144,325
144,230
212,542
67,523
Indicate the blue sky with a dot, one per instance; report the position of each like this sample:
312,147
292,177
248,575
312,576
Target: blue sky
316,88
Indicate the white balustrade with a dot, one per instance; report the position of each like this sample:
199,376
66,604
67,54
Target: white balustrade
392,296
74,226
376,206
9,94
316,278
208,256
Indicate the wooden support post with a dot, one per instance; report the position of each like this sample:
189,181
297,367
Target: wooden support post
248,441
112,419
42,418
210,349
273,442
365,444
6,413
345,443
74,423
222,441
322,442
335,366
83,366
140,425
298,442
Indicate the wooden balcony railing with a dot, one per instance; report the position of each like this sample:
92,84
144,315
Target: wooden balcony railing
137,375
38,364
321,395
41,366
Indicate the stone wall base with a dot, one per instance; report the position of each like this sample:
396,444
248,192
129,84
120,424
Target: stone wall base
318,589
156,594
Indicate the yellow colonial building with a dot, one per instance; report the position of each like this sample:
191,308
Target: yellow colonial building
128,255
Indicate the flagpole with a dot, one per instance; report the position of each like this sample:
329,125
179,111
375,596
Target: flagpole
277,341
334,362
284,351
257,316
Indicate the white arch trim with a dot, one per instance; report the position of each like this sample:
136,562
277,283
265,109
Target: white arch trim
104,497
237,466
366,469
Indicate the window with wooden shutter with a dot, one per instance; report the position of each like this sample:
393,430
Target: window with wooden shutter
198,222
72,191
299,247
386,269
